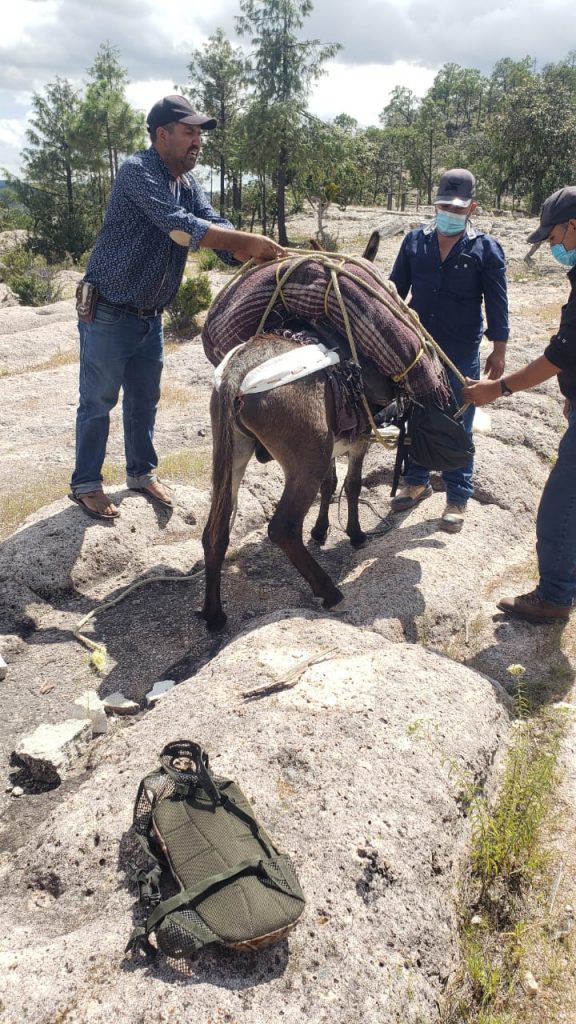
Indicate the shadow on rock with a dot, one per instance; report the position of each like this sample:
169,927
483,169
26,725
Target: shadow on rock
549,675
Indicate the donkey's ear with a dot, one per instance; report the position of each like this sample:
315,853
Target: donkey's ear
371,250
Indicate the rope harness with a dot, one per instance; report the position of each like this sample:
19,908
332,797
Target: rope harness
294,258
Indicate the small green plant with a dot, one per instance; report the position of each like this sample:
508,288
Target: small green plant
509,870
193,296
29,276
329,243
207,260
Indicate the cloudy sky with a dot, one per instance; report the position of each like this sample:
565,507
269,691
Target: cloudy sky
385,43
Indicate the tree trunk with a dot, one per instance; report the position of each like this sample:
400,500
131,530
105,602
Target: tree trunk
110,154
222,186
263,199
281,196
69,190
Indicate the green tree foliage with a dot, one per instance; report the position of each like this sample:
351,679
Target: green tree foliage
328,170
283,69
54,188
401,110
218,74
74,147
193,296
28,275
107,126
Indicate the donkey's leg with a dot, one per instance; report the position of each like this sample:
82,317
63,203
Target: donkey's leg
285,529
216,536
353,486
291,422
319,531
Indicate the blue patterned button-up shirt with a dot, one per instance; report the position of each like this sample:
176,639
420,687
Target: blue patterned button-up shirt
134,261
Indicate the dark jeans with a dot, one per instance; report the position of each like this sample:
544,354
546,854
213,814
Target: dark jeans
556,525
118,350
459,486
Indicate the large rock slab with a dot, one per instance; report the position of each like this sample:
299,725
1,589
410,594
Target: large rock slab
357,769
31,335
51,750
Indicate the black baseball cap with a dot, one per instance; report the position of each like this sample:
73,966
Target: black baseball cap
177,108
558,208
456,187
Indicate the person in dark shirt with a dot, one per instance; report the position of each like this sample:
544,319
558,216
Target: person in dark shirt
156,212
552,599
451,270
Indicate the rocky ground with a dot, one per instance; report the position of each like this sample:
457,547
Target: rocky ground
419,640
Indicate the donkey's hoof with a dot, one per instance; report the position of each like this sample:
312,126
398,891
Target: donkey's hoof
319,536
214,623
334,602
358,540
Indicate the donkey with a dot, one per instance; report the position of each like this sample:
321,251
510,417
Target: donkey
296,425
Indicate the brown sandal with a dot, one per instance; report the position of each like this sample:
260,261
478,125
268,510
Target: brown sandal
92,512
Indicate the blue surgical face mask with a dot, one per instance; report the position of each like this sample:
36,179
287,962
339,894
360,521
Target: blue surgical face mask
450,223
567,257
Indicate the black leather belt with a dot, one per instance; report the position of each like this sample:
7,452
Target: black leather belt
153,311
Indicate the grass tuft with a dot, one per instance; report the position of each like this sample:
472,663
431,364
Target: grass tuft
504,930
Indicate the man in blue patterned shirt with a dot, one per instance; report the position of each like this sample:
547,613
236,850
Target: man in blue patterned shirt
157,211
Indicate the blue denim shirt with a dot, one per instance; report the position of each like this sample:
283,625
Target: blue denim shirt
134,261
448,295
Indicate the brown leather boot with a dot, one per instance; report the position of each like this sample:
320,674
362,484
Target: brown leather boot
534,608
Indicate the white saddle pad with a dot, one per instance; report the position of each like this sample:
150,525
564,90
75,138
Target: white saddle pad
283,369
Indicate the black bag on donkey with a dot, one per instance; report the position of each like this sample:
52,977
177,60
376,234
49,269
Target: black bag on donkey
430,436
236,889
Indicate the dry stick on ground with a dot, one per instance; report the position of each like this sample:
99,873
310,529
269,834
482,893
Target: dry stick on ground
291,677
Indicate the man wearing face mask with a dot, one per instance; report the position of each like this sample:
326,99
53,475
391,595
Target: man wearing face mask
451,270
553,598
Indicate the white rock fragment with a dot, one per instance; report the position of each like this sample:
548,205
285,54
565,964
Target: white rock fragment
90,706
476,920
530,984
117,704
159,690
52,749
17,791
3,668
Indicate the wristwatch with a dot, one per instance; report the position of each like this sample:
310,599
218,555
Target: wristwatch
505,390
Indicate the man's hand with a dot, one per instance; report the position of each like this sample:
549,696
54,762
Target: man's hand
257,247
481,392
496,361
243,244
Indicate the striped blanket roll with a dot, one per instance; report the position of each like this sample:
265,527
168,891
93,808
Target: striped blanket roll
392,345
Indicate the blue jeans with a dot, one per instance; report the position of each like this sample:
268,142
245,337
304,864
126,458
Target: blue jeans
118,350
459,486
556,525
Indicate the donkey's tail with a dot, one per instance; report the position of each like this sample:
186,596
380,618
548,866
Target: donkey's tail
222,459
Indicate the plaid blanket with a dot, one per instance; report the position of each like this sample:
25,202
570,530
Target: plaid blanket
392,345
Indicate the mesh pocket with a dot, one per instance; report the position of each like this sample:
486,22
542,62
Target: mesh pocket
182,933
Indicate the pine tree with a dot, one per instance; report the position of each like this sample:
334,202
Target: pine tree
283,71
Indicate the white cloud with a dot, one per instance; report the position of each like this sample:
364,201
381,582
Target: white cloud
363,91
386,43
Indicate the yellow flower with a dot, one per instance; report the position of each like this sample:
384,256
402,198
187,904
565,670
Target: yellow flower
98,659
